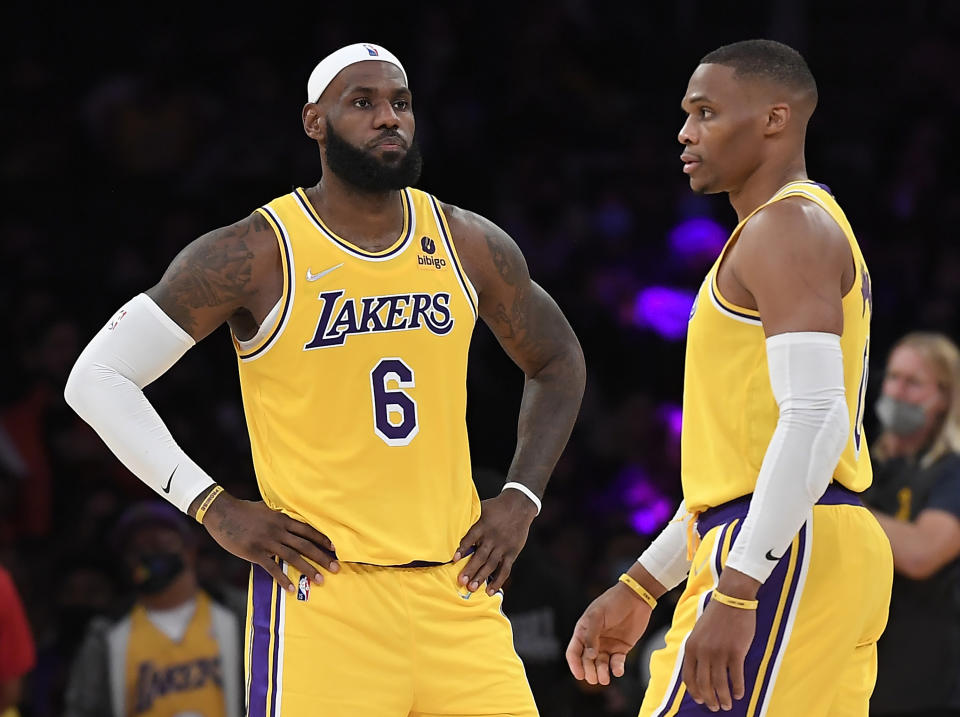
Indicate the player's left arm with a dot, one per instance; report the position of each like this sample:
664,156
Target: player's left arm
536,335
796,263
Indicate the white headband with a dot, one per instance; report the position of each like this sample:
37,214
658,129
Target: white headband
330,66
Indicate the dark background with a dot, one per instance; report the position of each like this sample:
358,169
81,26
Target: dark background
127,134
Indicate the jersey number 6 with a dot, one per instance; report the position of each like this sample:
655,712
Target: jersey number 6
394,411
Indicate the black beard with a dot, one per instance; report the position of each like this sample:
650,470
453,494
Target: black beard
361,169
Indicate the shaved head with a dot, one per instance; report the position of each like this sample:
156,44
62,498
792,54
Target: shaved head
778,64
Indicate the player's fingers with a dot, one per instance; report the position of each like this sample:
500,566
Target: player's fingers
737,682
704,685
689,675
311,551
467,542
618,661
721,685
485,570
603,668
308,532
292,557
573,654
589,661
500,575
276,572
477,560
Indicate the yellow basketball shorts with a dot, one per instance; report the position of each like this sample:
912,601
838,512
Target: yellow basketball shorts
380,642
820,614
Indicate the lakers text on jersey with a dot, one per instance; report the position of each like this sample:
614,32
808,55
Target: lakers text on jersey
355,388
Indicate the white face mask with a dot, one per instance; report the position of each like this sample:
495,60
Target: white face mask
899,417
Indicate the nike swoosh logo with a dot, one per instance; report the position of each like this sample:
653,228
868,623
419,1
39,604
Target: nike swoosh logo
771,556
313,277
166,488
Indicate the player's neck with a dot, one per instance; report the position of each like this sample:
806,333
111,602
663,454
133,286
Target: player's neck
369,220
764,183
177,593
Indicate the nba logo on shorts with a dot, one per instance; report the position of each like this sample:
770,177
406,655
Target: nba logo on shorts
303,588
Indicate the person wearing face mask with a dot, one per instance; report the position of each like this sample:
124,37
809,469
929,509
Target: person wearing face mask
916,498
176,652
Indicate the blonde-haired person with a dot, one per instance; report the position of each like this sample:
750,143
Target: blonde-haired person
916,498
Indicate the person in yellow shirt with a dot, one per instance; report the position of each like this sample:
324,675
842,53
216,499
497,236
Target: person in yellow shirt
375,587
176,651
787,574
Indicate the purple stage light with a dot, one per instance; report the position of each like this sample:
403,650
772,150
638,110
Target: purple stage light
650,519
649,509
697,236
664,310
672,415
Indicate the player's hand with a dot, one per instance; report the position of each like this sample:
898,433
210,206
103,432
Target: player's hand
252,531
499,536
714,654
605,633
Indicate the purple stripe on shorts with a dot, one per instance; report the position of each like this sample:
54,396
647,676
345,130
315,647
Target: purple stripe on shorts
679,680
276,652
260,644
787,606
769,598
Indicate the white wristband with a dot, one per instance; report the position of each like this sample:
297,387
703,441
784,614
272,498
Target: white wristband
526,491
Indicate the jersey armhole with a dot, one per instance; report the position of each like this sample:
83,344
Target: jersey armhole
810,196
276,319
444,229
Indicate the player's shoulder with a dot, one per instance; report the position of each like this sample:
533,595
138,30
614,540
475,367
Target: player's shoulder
484,248
469,226
252,233
794,227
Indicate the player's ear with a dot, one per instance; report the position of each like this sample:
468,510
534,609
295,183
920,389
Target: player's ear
313,122
778,118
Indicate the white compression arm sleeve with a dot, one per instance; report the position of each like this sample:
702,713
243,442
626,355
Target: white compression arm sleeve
105,388
806,374
666,557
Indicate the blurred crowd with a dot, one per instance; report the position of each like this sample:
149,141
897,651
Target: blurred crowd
127,137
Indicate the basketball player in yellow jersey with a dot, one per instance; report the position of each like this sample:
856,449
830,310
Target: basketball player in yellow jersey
351,305
788,576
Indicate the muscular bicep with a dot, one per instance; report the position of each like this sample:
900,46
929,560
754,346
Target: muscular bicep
792,259
218,275
525,319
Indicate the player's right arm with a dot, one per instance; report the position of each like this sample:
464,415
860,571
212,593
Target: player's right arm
229,274
612,624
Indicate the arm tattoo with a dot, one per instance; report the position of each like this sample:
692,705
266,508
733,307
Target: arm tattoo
509,271
212,271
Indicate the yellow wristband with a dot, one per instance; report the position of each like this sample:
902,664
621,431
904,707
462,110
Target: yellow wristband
641,591
207,502
734,602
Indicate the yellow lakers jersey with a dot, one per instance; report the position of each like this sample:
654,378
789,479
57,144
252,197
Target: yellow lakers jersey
729,412
166,678
355,386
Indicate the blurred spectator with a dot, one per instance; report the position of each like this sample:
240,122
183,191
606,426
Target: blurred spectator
17,653
176,652
916,498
